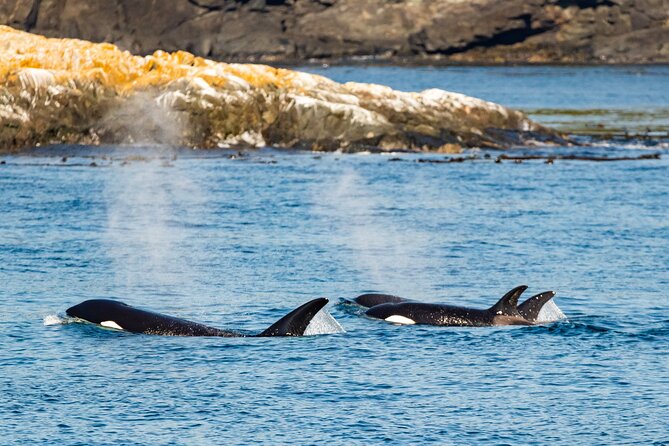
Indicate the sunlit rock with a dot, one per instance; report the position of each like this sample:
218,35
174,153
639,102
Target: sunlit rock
72,91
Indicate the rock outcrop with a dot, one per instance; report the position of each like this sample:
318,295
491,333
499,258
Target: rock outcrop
73,91
414,31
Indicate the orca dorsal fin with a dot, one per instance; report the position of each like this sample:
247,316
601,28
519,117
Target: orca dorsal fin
531,307
296,322
508,304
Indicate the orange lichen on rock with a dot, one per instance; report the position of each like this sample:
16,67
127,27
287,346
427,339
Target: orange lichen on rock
107,64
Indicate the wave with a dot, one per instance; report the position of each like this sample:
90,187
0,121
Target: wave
597,326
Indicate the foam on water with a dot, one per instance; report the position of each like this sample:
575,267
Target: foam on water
323,323
55,319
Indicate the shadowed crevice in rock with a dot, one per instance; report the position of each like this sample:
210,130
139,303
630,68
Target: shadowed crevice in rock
206,7
585,4
31,20
505,37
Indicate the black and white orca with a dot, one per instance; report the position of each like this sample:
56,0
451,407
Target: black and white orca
506,311
120,316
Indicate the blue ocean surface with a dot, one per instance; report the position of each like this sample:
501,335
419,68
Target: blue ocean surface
238,240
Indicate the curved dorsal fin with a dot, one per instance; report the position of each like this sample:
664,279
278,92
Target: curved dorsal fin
531,307
508,304
296,322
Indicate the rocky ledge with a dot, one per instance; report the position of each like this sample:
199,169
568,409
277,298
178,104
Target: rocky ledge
399,31
55,91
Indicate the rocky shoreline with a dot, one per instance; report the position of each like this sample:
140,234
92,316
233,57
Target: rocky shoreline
55,91
401,31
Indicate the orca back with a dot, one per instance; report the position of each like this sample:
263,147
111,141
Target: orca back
110,313
372,299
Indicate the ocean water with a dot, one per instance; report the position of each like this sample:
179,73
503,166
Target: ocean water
238,240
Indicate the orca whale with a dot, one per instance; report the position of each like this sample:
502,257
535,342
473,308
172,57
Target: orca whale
506,311
121,316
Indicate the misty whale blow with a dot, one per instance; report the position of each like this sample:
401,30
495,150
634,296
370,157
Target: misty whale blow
114,314
506,311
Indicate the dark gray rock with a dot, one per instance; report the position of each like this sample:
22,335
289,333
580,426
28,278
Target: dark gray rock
414,31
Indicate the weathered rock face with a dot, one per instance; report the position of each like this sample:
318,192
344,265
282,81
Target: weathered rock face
73,91
480,31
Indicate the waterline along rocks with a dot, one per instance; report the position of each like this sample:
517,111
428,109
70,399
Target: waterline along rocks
71,91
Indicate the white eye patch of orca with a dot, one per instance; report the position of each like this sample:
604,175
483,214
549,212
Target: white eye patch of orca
111,324
397,319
